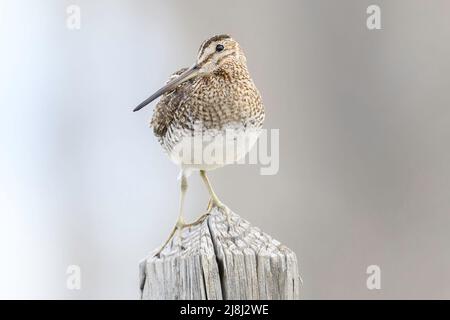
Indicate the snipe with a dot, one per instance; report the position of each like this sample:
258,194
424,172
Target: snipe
201,105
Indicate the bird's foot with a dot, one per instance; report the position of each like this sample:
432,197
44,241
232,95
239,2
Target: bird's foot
179,226
210,206
224,209
200,220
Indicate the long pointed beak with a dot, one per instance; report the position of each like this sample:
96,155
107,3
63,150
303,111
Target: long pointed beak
188,74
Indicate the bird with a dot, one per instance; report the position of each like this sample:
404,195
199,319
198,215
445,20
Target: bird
204,103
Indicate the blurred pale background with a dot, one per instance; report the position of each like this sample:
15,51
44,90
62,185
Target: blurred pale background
364,119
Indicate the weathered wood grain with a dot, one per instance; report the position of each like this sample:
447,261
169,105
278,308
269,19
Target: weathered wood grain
217,261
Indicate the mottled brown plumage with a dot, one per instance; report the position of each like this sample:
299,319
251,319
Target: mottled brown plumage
213,101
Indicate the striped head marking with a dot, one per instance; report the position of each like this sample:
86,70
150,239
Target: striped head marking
216,51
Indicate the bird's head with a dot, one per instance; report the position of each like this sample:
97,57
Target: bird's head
213,54
216,52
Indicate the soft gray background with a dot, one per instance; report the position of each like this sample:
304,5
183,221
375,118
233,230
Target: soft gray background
364,119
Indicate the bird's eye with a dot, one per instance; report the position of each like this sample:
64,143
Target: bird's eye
219,47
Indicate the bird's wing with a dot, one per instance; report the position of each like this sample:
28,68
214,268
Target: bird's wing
166,108
176,74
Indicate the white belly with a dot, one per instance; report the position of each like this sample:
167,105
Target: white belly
213,149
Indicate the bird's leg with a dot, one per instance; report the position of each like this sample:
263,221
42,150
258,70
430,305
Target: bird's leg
214,199
180,224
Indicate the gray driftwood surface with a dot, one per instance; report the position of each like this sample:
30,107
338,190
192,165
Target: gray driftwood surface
213,261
